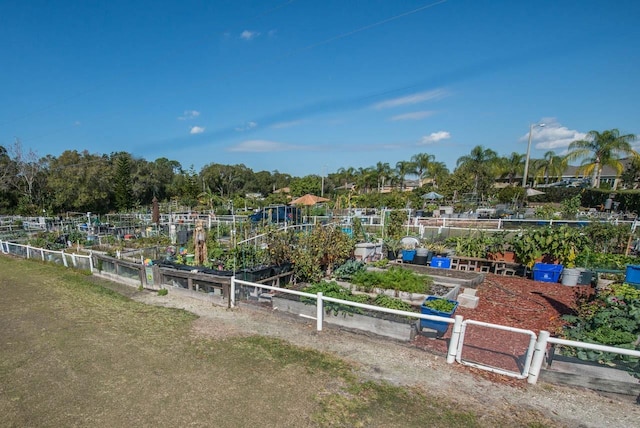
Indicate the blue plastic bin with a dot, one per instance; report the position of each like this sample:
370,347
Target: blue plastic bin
408,255
441,262
633,275
439,326
546,272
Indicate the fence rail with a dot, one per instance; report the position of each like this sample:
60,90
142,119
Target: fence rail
157,277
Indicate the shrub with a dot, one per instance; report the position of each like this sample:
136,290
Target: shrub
163,292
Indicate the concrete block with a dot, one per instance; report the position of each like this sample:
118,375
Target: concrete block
469,291
467,301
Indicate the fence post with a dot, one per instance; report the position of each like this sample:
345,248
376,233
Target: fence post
42,254
28,252
539,352
232,292
455,338
91,261
319,312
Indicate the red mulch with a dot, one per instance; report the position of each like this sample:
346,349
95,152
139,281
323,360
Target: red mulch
508,301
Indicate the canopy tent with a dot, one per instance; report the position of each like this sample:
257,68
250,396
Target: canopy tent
432,196
308,200
533,192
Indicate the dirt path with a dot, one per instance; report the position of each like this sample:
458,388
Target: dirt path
404,364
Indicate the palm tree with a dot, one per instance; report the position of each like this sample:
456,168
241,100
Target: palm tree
402,169
479,161
347,175
365,177
550,166
383,173
421,163
600,149
511,166
438,171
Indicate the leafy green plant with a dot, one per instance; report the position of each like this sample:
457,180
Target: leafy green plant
471,246
392,245
571,206
163,292
592,260
437,247
560,243
389,302
332,289
396,221
349,268
382,263
440,305
609,317
394,278
316,253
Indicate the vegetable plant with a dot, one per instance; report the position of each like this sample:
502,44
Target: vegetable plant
440,305
609,317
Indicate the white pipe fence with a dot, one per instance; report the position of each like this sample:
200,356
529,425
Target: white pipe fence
78,261
320,299
527,359
545,338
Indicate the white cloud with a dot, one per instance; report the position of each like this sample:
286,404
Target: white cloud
552,136
416,115
259,146
248,35
196,130
189,114
272,33
247,126
412,99
434,137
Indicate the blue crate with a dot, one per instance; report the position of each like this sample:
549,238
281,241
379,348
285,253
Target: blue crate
441,262
547,272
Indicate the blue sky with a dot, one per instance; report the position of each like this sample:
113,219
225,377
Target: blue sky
308,86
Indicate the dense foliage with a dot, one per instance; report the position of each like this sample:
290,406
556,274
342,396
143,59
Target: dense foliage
332,289
101,183
394,278
608,317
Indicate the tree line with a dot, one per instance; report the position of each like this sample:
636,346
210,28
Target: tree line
100,183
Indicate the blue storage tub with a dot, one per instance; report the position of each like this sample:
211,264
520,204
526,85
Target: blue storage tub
633,275
546,272
439,326
408,255
440,262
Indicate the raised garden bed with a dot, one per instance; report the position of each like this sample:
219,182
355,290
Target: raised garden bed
372,322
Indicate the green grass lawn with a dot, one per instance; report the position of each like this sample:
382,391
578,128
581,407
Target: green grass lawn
75,353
